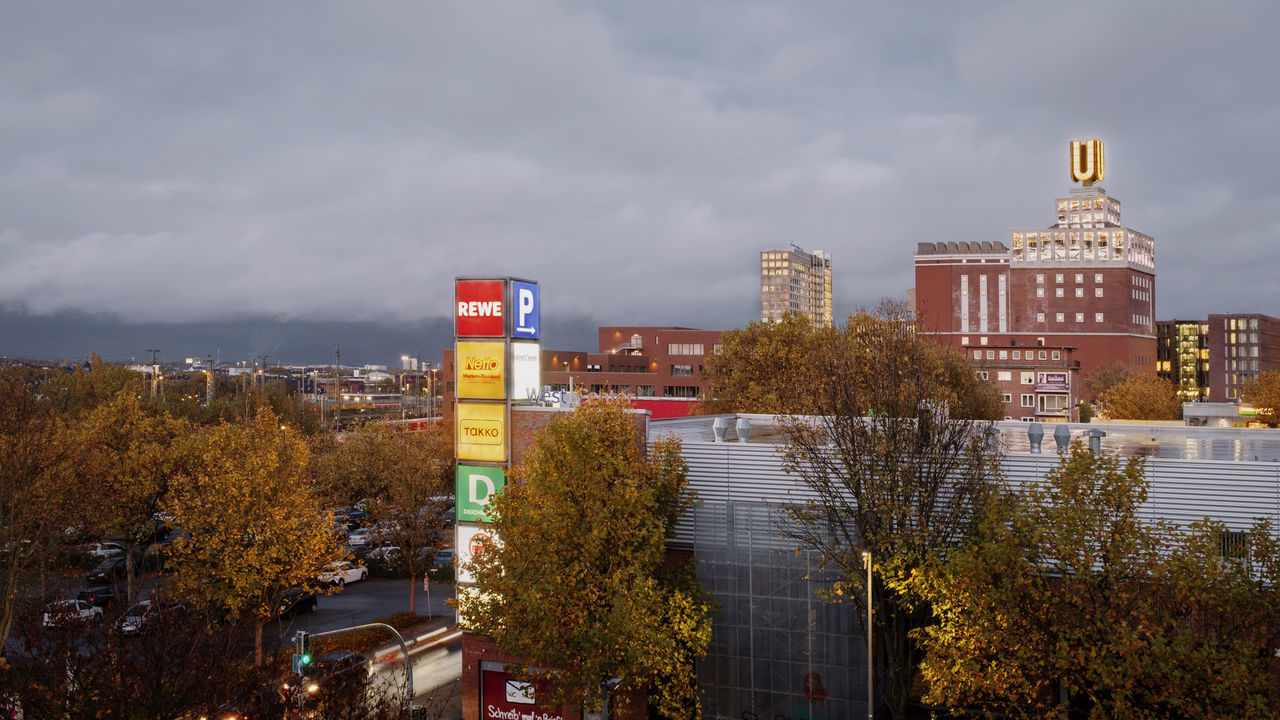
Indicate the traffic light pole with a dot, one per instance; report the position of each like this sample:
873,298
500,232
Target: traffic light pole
303,638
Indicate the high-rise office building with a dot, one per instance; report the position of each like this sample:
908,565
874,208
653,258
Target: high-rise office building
1085,282
796,281
1182,357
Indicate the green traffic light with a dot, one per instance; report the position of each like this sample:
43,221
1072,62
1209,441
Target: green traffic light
306,659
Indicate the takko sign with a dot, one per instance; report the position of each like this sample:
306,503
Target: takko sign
482,432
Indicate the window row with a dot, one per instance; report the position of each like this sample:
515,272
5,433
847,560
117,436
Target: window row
1060,292
1062,317
685,349
1097,277
1017,355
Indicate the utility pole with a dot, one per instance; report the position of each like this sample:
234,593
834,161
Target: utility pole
337,388
155,372
210,383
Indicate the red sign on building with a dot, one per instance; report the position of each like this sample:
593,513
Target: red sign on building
505,698
479,308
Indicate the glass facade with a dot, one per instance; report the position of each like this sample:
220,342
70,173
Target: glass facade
776,649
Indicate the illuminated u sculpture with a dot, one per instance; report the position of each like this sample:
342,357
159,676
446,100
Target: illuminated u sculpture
1087,161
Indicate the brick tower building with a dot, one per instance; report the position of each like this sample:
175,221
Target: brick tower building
1085,282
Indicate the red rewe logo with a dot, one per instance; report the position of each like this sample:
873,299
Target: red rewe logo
479,310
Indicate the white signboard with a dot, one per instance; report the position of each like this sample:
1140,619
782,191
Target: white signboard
470,540
526,370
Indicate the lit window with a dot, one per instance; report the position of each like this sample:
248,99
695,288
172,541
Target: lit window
1097,317
964,340
1079,317
1058,277
1058,317
982,340
1097,277
1006,397
1097,292
1080,292
1039,292
1004,375
1057,292
1079,277
1040,317
1040,277
1028,378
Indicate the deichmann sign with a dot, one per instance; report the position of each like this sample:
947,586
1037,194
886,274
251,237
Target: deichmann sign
476,486
482,432
481,367
478,308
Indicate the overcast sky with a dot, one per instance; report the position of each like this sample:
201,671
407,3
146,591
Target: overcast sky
172,162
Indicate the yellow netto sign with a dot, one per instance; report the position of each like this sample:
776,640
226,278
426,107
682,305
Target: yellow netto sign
1086,161
481,371
482,432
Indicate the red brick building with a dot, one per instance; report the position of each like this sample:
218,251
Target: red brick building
1085,283
646,362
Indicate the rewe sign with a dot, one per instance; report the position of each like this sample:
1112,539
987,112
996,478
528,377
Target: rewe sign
478,305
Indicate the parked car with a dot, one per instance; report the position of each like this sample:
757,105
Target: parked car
62,613
444,559
340,674
387,553
296,600
109,570
101,596
341,573
110,548
362,536
141,616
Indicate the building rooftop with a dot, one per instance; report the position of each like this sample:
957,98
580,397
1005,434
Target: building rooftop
1125,440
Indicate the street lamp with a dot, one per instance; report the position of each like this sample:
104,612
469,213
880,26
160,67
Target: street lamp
866,560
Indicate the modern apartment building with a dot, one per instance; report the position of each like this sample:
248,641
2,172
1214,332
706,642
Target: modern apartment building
1182,357
1085,282
796,280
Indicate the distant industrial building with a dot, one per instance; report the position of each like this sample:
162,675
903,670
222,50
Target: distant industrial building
1085,283
798,281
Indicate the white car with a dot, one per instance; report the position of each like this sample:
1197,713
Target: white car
107,549
341,573
71,612
360,537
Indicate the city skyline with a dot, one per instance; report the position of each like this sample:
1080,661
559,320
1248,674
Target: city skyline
170,166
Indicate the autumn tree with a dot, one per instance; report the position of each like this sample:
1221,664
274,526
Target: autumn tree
1264,394
1106,377
130,455
1067,602
408,479
256,527
764,368
779,367
1141,397
894,471
578,585
39,497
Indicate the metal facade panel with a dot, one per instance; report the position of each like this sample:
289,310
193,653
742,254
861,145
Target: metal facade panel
1181,491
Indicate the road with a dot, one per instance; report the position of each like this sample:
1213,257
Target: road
437,661
360,603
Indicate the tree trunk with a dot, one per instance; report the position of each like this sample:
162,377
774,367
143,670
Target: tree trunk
257,642
413,596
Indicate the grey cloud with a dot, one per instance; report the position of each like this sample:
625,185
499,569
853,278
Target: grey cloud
169,162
